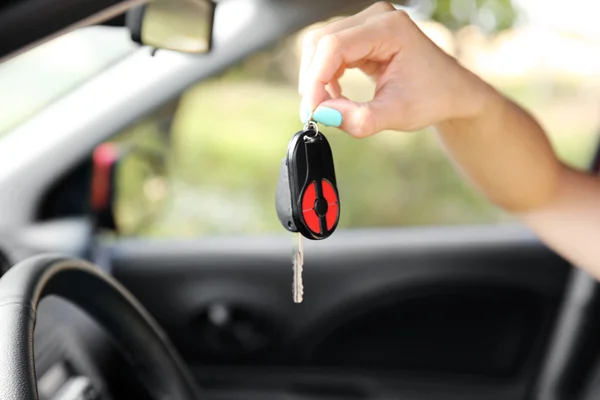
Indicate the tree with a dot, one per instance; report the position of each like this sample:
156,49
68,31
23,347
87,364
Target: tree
491,16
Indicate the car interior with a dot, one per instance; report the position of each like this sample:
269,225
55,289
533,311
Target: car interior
112,289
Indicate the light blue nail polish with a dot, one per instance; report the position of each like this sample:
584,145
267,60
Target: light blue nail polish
304,113
328,116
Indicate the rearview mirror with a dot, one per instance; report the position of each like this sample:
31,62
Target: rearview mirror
180,25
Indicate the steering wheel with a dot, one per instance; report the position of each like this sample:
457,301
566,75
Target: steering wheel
139,337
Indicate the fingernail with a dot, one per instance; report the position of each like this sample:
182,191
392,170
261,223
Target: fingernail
328,116
304,113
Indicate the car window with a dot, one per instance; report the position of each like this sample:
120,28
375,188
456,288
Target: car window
31,81
228,135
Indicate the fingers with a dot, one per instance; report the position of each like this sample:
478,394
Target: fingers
363,119
312,38
357,119
334,89
373,41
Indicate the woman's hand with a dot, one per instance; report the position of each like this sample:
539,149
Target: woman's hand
498,145
417,83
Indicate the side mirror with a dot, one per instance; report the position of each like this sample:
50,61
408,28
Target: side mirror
128,186
179,25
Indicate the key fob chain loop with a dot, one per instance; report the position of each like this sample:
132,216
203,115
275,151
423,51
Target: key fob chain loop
307,199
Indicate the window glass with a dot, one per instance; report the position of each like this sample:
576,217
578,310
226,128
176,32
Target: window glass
34,79
229,134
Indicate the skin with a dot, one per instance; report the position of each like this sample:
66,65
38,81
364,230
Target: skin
498,146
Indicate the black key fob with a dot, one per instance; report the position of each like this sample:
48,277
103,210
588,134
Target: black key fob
307,199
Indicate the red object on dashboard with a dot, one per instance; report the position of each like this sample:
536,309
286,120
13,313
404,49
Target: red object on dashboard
104,158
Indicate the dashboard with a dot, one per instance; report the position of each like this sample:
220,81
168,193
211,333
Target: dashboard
221,303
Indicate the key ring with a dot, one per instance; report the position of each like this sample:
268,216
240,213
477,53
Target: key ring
311,125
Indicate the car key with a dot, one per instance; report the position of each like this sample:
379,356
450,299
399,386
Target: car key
307,199
298,263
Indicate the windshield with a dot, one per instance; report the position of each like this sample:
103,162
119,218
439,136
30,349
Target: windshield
36,78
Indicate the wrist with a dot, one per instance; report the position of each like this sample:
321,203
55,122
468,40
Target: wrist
474,98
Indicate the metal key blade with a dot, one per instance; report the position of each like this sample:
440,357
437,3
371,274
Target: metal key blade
297,286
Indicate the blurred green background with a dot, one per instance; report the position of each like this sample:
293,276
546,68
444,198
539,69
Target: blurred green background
208,162
228,136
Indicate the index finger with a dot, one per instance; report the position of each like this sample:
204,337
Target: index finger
311,38
369,41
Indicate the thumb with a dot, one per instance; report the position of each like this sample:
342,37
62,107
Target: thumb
355,118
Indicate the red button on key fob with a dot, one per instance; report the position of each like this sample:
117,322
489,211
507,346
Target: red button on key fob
307,199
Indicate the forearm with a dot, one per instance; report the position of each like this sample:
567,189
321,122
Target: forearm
504,152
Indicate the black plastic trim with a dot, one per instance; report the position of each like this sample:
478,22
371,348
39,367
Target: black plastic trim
23,23
134,19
